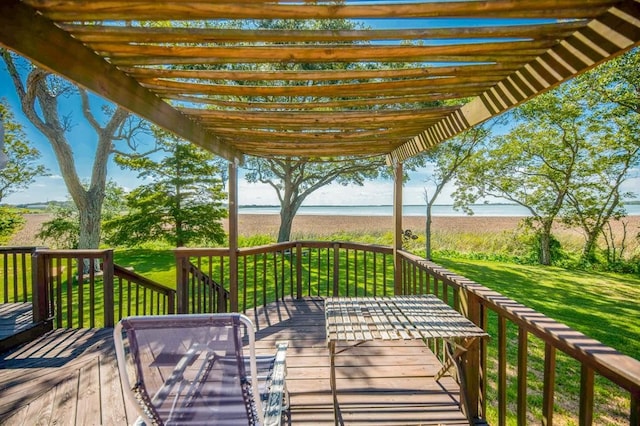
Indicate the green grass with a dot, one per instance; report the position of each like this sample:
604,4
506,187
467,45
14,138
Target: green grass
601,305
158,265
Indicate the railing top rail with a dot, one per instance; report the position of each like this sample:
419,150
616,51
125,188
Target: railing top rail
19,249
620,368
123,272
183,252
267,248
74,252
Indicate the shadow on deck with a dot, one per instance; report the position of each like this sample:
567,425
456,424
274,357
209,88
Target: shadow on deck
71,377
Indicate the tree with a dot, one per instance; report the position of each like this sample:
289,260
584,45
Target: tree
182,202
447,158
611,94
21,168
565,159
532,165
40,95
63,230
294,179
616,82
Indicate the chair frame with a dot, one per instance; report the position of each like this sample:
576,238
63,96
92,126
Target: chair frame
277,395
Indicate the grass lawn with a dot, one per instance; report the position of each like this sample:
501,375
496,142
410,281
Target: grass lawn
604,306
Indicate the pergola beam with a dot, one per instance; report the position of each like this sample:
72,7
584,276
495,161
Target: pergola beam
88,10
28,33
611,34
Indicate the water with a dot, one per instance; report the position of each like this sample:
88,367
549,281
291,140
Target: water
410,210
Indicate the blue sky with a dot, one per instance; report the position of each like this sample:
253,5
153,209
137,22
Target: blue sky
83,141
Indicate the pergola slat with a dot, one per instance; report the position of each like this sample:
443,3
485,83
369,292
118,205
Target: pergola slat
128,34
323,53
88,10
341,90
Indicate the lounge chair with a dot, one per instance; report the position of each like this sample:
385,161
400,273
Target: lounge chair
194,370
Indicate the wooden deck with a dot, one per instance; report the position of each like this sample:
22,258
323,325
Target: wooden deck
17,326
15,318
70,376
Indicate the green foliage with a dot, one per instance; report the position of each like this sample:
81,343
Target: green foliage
566,158
531,240
21,169
255,240
63,230
180,205
11,221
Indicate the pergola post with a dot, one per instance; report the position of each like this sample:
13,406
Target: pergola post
397,227
233,236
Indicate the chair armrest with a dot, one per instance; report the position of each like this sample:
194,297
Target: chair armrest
274,403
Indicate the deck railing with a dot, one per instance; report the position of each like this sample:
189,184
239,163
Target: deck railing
16,274
292,269
83,288
529,356
525,352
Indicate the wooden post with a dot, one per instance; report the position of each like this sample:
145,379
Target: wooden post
182,289
336,270
298,271
397,227
107,282
470,307
233,236
39,288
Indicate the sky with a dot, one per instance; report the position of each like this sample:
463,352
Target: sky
83,141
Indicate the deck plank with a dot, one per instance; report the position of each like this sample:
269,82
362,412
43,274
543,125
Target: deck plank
71,376
14,318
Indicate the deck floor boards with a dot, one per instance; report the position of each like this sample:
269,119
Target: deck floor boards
71,377
14,318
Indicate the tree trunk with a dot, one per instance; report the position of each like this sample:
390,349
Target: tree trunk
286,221
545,246
40,104
588,249
427,230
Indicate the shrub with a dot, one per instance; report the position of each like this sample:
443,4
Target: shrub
10,222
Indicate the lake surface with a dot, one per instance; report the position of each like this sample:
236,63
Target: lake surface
409,210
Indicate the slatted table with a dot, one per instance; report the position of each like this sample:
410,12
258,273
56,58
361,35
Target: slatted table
423,317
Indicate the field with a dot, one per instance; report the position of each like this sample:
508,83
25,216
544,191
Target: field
461,233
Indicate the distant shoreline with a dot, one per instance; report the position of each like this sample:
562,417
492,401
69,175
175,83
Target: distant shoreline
310,226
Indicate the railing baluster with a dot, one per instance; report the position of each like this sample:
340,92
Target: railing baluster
549,384
81,298
502,371
522,377
15,277
634,415
586,396
364,272
5,277
58,288
70,293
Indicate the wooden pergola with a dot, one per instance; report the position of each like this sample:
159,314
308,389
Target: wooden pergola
240,90
164,61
